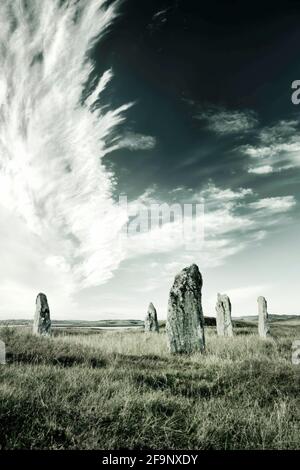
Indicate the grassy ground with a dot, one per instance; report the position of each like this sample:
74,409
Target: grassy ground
123,390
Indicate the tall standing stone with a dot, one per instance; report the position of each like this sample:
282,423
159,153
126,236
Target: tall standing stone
223,314
42,322
263,323
151,323
185,323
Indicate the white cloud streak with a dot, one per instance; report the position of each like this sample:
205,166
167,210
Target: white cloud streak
232,220
277,149
273,205
222,121
133,141
52,143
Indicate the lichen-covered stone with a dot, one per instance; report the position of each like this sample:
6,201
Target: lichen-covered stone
42,322
185,323
263,322
151,323
223,314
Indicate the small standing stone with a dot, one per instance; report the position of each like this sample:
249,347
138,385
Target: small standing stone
185,323
151,323
263,323
2,352
223,313
42,322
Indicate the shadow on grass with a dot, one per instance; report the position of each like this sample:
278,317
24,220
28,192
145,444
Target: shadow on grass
244,331
56,360
181,385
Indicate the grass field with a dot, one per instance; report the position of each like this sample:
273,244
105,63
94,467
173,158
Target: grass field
122,389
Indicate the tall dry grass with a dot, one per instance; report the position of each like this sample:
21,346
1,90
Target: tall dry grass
124,390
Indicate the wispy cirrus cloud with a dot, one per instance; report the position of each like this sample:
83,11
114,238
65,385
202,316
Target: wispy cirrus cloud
261,170
223,121
232,219
134,141
277,148
272,205
273,148
52,140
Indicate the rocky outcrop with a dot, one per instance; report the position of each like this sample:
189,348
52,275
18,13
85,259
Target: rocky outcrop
185,323
42,322
223,314
151,323
263,323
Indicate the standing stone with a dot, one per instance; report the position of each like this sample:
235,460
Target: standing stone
185,323
151,323
2,352
42,322
263,323
223,311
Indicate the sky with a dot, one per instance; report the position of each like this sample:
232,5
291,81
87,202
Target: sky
159,102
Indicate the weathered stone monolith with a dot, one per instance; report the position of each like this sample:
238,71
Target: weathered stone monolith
185,323
263,323
151,323
223,314
42,322
2,352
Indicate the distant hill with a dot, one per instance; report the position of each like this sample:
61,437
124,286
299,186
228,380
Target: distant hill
209,321
78,323
272,318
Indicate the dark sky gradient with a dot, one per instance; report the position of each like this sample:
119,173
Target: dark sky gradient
235,54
